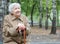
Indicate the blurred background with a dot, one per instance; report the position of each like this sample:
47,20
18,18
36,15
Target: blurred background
42,14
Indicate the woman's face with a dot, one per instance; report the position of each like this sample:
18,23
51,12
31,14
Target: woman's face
16,11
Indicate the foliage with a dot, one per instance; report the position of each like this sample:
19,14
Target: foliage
26,6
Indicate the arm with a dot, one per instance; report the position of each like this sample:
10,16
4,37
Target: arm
27,25
8,29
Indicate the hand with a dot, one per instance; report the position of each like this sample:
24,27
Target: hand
21,26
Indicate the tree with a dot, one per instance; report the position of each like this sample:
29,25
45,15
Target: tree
18,1
53,30
32,12
58,8
41,14
7,4
47,11
26,6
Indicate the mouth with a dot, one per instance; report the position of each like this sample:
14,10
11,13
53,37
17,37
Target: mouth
18,12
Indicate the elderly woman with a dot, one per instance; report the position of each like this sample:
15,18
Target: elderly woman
14,25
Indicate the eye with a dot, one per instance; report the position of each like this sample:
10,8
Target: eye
15,8
18,8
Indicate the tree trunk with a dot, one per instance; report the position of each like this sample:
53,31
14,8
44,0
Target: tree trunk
46,23
57,12
7,5
53,30
41,14
32,14
2,13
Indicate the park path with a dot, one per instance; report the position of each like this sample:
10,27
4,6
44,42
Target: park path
42,36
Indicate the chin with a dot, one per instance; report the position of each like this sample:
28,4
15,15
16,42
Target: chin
17,16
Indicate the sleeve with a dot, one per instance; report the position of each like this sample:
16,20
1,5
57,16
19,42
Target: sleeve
28,28
8,29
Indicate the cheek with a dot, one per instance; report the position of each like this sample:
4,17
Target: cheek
14,11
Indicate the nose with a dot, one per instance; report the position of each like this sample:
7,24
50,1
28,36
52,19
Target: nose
18,10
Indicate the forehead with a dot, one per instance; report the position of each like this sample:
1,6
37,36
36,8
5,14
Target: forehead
16,6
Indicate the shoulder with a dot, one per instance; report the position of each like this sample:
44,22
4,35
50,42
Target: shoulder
23,16
6,16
